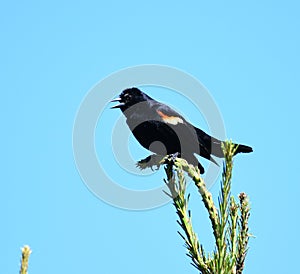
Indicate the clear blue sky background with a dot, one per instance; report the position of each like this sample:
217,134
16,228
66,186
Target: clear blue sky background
51,53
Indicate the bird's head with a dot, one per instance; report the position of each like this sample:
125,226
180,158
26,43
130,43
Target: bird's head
130,97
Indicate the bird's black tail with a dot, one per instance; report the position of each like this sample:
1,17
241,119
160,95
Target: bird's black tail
243,149
212,146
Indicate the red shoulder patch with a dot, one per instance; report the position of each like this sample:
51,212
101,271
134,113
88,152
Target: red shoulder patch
173,120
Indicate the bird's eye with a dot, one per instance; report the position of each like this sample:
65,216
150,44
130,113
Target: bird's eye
127,97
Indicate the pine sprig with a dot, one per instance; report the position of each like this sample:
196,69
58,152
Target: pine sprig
244,233
229,221
26,251
180,201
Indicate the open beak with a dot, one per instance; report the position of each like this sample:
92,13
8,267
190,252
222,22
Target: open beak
117,100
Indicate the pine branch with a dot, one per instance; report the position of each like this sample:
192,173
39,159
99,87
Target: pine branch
24,260
222,257
177,189
230,228
232,231
207,199
244,233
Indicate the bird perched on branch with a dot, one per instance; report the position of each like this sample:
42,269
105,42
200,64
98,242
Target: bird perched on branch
162,130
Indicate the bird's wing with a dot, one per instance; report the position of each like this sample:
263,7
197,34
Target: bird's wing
168,115
173,118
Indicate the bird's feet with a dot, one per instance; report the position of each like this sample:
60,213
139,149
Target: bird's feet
172,157
157,160
150,162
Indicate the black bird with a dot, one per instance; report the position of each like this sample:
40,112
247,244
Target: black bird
163,131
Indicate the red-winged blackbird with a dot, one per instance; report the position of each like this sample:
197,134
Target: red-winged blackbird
163,131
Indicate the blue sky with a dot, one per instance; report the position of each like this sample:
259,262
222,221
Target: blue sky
52,53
